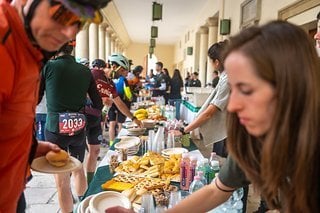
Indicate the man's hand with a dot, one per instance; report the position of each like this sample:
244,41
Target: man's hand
44,147
118,209
138,122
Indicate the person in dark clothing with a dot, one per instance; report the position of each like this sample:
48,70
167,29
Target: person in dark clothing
133,79
93,129
160,86
176,85
167,79
67,84
194,82
215,79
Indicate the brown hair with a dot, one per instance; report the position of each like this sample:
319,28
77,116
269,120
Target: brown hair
282,163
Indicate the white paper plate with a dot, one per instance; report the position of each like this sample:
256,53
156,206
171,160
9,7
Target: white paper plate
42,165
131,151
104,200
84,204
136,130
129,125
171,151
149,123
127,142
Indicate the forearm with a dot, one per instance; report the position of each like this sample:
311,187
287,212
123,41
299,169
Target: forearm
201,119
203,200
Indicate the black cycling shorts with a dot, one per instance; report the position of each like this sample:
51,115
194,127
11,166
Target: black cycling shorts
75,144
94,130
114,114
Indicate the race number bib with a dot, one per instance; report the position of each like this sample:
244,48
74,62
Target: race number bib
71,123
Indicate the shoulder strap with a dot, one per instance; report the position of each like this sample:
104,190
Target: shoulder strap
5,36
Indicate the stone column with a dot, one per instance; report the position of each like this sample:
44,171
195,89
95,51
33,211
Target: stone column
203,54
116,46
121,48
93,42
102,48
108,42
82,44
212,38
113,43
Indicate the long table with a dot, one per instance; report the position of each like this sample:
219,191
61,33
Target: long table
103,174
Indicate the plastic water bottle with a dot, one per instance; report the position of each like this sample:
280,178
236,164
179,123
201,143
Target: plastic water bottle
215,167
202,178
184,166
199,166
167,112
215,163
172,112
196,184
214,157
208,171
192,169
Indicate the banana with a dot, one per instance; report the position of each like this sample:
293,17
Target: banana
141,116
141,111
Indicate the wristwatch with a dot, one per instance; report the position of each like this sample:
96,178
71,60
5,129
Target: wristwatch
182,130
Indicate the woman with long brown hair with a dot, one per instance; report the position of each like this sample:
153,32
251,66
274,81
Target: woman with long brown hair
273,121
279,148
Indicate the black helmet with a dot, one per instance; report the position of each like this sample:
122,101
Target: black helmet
137,69
98,63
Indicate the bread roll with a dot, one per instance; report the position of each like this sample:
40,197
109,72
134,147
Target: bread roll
57,159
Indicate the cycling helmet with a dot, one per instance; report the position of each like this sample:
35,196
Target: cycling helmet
137,69
85,9
96,4
84,61
98,63
120,60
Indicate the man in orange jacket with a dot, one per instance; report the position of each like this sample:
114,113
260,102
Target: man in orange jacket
30,30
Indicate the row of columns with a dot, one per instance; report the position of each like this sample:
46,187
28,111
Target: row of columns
97,41
208,36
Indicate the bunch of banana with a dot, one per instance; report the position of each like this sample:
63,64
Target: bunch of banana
141,114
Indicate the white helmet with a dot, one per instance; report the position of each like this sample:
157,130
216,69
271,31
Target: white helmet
119,59
84,61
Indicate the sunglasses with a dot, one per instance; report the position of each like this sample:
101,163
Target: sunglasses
64,16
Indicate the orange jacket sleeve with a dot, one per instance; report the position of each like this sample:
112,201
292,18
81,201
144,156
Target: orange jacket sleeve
6,75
